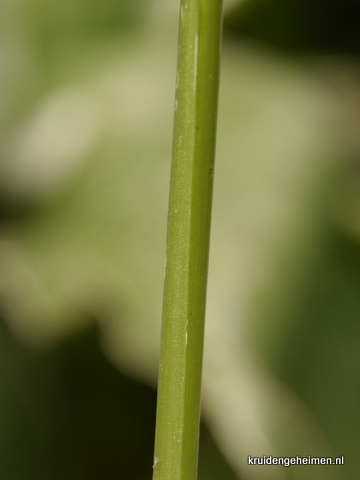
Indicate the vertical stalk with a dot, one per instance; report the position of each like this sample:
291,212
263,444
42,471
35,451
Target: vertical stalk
191,185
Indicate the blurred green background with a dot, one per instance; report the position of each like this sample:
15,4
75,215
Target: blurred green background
86,111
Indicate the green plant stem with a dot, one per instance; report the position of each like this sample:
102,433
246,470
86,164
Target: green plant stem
179,391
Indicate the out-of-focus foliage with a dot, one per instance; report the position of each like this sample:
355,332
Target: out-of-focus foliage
86,97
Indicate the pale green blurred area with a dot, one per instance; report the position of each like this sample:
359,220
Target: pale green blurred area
86,111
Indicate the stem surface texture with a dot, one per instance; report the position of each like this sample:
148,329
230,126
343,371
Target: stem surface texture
191,185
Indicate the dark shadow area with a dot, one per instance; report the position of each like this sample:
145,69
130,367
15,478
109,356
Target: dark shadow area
68,413
299,26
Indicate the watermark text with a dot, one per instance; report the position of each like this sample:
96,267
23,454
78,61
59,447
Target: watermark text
287,461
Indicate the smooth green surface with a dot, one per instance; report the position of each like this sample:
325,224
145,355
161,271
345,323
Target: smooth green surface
179,391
